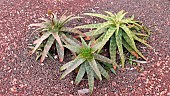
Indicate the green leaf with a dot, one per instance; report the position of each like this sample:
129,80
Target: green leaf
127,39
83,42
113,70
100,29
73,66
112,49
120,15
38,56
119,45
90,75
50,56
129,34
135,23
106,37
147,30
103,71
110,14
47,47
142,41
89,26
101,37
64,17
102,58
69,18
140,34
70,41
98,42
40,40
60,52
71,30
130,49
67,65
132,17
98,15
73,48
93,64
96,32
80,74
101,41
74,39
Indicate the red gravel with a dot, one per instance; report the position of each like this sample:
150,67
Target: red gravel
21,75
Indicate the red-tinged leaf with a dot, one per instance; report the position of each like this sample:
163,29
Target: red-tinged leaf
47,47
130,49
115,67
36,41
132,45
56,36
40,40
60,52
87,38
134,54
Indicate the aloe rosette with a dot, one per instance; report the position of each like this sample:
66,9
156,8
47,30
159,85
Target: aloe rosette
52,31
120,31
88,61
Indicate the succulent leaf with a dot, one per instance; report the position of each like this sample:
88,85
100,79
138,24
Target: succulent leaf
93,64
80,74
120,47
67,65
90,26
60,52
73,48
112,49
102,58
56,36
70,41
40,40
47,47
103,71
57,28
90,75
106,37
142,41
73,66
98,15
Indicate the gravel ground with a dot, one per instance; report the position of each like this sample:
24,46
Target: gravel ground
20,75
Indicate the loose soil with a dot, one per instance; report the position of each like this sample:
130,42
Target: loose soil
21,75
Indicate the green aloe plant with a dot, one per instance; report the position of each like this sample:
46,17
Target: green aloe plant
88,61
52,31
120,31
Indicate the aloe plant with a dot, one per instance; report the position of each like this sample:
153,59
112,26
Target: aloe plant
51,33
88,61
120,31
